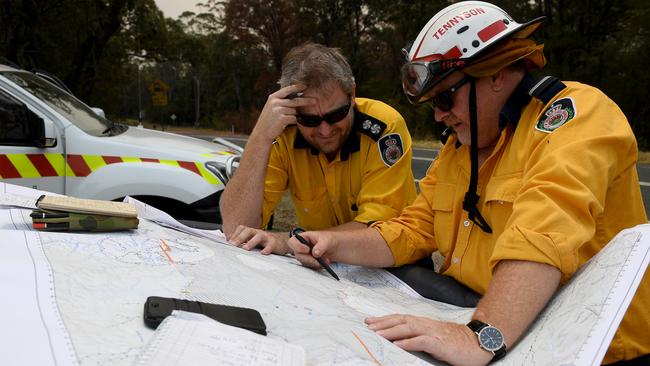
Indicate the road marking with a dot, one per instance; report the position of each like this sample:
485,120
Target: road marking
419,158
234,138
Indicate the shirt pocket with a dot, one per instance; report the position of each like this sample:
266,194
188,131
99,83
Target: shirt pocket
313,209
442,204
500,195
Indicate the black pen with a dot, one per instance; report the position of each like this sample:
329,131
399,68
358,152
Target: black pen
296,232
47,215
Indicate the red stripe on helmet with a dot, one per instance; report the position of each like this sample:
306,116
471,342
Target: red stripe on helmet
189,166
45,169
7,168
149,160
78,165
452,53
491,30
112,159
434,57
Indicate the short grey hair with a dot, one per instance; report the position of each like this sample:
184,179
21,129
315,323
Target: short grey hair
316,65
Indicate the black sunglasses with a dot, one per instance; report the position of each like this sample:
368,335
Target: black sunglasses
443,100
330,117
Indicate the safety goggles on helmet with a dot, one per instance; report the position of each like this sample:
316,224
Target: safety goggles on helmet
419,77
330,117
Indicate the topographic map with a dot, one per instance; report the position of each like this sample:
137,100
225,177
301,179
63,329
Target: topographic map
90,290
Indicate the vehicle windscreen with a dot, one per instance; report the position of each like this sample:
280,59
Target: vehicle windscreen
65,104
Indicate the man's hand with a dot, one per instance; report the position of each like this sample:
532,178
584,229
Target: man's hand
324,246
248,238
450,342
279,112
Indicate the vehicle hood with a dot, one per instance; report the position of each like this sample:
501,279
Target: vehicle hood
165,141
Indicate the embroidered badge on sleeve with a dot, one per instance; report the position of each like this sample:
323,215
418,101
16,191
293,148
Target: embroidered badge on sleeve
391,148
559,113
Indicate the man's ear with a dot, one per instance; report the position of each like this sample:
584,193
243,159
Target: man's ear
497,81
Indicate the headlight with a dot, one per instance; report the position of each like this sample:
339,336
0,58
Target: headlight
232,163
218,169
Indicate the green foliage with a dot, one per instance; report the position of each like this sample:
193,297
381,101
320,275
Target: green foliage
224,61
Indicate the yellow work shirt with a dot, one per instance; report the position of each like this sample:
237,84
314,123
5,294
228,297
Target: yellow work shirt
556,189
370,179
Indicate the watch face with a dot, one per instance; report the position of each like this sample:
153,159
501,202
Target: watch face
490,338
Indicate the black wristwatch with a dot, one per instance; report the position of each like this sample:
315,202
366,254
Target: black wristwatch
489,338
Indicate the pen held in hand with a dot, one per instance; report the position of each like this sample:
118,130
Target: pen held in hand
295,232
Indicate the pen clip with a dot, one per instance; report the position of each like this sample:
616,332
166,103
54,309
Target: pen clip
296,230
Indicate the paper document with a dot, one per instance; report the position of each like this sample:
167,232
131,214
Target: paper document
162,218
33,332
17,196
194,339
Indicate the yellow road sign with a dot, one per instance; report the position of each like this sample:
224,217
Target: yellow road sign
159,99
158,86
158,90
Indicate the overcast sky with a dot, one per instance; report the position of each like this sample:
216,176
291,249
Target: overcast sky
174,8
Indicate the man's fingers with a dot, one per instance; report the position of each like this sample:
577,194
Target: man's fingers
394,327
307,260
257,239
383,322
399,331
287,91
268,249
239,236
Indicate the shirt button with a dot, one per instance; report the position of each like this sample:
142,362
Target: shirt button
466,223
455,260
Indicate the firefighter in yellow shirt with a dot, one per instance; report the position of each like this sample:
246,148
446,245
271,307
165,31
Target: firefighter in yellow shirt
536,177
345,160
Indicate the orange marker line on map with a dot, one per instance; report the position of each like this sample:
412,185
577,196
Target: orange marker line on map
165,251
366,348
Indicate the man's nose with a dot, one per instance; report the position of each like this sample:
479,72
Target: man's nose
324,128
439,115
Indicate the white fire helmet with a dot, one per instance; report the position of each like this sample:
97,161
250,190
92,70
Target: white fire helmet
452,39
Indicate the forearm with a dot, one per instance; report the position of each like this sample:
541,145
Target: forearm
364,247
352,225
242,199
518,292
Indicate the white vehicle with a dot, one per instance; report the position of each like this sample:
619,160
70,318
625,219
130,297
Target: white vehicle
50,140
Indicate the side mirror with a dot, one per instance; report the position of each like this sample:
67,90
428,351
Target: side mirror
19,126
49,139
99,111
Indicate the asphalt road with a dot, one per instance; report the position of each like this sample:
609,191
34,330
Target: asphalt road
422,159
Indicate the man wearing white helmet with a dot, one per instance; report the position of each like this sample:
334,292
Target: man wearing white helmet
536,177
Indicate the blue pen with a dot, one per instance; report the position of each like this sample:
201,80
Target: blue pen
296,232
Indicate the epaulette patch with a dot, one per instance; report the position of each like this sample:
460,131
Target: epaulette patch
369,126
560,112
391,148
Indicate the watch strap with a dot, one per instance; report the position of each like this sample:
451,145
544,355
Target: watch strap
499,354
476,326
